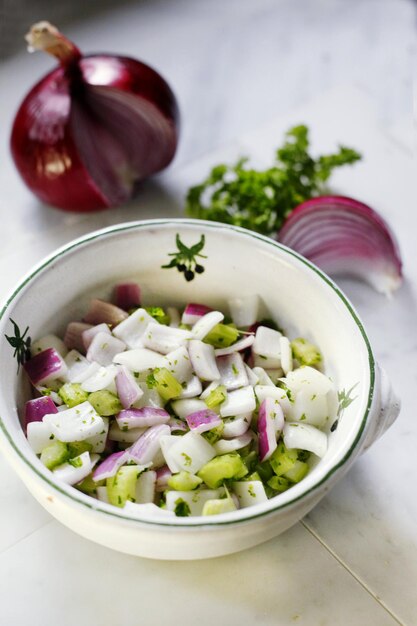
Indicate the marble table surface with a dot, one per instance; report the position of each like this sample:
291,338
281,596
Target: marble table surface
244,71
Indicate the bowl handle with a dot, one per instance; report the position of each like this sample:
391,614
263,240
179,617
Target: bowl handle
387,408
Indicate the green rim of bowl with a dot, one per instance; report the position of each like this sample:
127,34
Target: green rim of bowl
215,226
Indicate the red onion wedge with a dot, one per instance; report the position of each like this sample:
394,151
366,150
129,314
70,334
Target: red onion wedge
139,418
73,337
232,371
45,367
267,429
345,237
242,344
147,446
109,466
37,408
162,475
127,296
100,312
202,421
92,128
193,312
128,389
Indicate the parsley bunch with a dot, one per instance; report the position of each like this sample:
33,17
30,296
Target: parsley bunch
261,200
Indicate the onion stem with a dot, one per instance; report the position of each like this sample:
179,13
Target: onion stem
46,37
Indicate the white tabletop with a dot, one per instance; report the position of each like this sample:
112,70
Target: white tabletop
244,72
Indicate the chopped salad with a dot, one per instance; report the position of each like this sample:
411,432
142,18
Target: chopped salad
177,412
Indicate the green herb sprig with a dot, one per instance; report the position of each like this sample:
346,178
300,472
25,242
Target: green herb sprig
260,200
185,259
21,344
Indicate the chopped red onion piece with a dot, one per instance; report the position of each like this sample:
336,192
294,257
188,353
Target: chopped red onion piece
100,311
267,429
203,360
45,367
139,418
193,312
73,337
177,425
104,348
147,446
184,407
242,344
109,466
126,295
37,408
162,476
232,371
202,421
92,331
125,436
128,389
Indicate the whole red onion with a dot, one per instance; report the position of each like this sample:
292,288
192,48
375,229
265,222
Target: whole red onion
92,128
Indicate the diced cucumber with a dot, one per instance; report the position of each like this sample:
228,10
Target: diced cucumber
305,352
222,336
218,506
282,459
165,383
184,481
297,472
72,394
278,483
105,402
122,486
55,454
75,448
89,486
221,468
216,397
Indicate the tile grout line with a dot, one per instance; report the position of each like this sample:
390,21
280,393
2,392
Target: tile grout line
352,573
32,532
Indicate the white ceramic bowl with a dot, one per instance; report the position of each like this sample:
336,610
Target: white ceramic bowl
304,301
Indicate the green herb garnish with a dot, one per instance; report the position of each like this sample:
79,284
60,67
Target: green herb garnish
20,343
261,200
185,259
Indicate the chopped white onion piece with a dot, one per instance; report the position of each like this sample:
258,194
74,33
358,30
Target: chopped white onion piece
104,348
147,510
286,354
236,426
164,339
263,377
232,371
145,487
49,341
79,369
166,442
249,492
244,310
266,348
99,441
305,437
265,391
206,324
179,364
39,435
132,329
238,401
194,499
203,360
89,334
191,452
252,377
74,473
192,389
224,446
75,424
102,379
185,407
174,317
139,359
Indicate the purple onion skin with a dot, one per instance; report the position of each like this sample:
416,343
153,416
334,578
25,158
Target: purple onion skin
37,408
42,365
44,145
